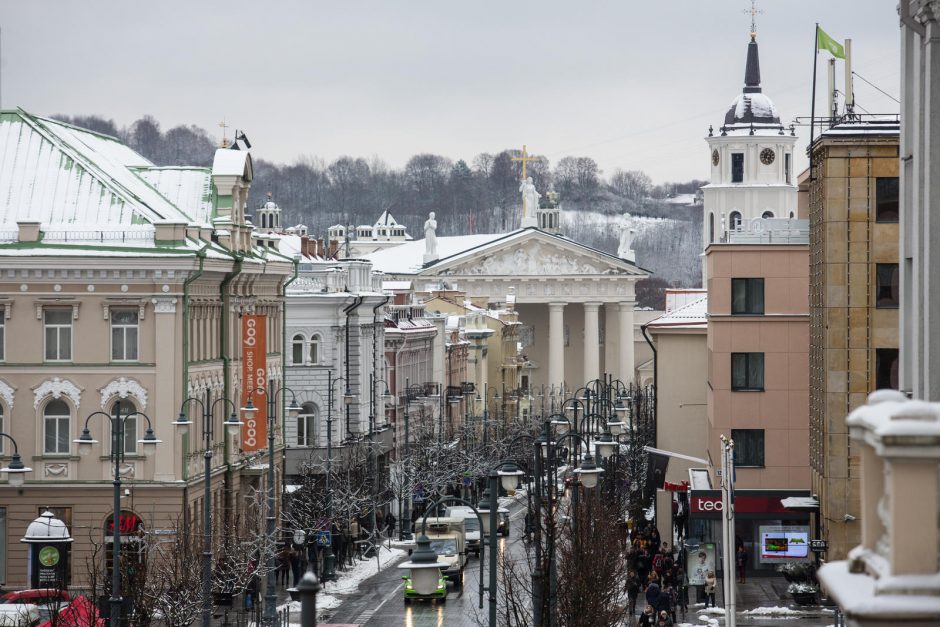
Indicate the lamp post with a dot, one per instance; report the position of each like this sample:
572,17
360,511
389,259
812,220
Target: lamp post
232,426
507,474
15,470
269,615
149,442
329,559
308,588
373,461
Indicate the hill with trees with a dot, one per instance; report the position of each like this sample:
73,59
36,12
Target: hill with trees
476,195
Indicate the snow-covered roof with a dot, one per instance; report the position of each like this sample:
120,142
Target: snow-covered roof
190,189
691,316
386,219
396,286
408,257
55,173
228,162
889,127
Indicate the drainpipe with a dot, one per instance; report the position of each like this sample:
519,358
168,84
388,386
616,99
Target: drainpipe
226,371
655,384
296,262
184,470
201,255
348,310
375,349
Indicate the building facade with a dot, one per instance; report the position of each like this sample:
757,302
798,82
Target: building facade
126,287
854,298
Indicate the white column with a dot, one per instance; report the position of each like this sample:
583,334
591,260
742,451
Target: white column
165,394
592,340
626,342
556,343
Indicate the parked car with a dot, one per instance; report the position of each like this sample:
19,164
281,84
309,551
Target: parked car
19,615
81,611
48,601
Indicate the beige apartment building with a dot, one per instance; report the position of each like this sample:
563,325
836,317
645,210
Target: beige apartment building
854,301
126,283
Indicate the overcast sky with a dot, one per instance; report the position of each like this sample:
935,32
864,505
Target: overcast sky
632,84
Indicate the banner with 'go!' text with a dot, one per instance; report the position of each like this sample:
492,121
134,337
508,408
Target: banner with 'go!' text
254,382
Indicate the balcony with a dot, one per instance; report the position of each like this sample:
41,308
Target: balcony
768,231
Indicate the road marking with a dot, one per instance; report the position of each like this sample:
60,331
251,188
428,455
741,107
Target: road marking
368,614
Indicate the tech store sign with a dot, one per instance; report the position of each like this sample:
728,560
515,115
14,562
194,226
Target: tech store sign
747,504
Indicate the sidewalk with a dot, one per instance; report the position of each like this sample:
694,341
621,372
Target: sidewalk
761,602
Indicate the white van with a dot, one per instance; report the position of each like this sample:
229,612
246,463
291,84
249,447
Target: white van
19,615
471,526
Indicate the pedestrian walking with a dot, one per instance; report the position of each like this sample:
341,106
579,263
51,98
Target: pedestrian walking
710,584
647,618
633,591
740,561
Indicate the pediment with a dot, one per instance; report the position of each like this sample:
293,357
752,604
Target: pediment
536,256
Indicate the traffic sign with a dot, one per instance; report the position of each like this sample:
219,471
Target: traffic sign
818,546
323,538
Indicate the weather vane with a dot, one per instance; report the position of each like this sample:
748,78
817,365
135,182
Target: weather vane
754,11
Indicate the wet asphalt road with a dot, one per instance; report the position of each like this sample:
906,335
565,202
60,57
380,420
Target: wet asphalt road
380,600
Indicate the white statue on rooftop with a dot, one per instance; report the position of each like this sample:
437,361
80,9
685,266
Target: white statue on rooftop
530,200
626,233
430,239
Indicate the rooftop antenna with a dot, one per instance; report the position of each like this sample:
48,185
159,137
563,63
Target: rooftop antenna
754,11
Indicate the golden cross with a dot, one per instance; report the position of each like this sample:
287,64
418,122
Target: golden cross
754,11
525,158
223,126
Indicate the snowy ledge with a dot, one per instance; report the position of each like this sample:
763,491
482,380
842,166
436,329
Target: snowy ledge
856,594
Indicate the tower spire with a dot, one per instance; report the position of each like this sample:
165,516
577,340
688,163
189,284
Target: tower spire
754,11
752,69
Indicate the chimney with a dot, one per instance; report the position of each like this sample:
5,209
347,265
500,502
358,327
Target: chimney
305,246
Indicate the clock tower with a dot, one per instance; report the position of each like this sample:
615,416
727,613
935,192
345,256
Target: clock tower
751,158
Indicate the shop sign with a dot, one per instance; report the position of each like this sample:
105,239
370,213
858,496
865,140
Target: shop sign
710,503
129,524
254,381
818,546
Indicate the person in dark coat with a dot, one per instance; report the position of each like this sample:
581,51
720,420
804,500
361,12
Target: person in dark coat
647,618
656,598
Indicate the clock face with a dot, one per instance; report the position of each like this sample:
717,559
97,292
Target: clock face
300,536
767,156
714,157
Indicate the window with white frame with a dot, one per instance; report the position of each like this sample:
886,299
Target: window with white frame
306,425
58,334
56,419
130,424
313,350
124,333
297,350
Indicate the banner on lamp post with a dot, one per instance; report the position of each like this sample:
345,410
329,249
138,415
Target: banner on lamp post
254,381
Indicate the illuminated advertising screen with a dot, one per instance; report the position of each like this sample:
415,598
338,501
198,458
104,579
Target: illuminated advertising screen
783,543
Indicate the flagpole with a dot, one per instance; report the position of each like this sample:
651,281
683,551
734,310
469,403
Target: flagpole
812,108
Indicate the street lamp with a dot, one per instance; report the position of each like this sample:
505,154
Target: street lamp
588,472
269,616
149,442
15,470
425,567
232,426
507,473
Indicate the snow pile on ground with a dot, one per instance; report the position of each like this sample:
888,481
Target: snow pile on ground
711,622
776,611
349,580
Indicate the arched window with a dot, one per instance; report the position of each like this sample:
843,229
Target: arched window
734,220
711,227
767,214
130,425
56,424
791,215
306,425
297,350
313,350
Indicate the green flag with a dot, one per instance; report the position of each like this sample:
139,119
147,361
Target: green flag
825,42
